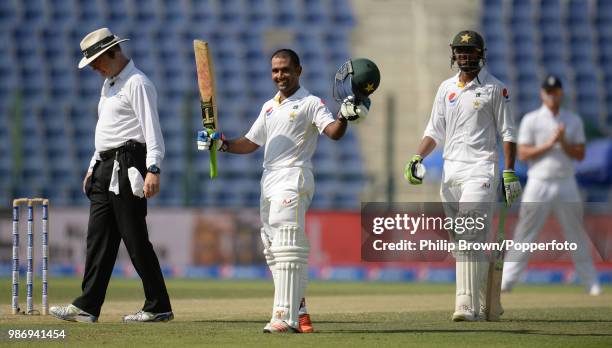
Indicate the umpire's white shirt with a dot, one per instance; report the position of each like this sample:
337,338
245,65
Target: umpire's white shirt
128,111
536,129
289,129
468,118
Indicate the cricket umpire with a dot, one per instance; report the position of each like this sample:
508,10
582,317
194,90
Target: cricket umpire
550,140
129,146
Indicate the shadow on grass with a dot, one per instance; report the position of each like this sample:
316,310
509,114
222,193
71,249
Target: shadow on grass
231,321
518,332
569,321
264,321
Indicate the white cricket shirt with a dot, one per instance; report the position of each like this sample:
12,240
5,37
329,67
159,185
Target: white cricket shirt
536,129
468,118
128,111
290,129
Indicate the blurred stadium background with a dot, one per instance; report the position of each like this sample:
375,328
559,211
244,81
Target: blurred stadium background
204,228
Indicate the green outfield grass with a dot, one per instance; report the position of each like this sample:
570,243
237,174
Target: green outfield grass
232,313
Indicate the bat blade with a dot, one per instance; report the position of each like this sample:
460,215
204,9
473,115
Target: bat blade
493,301
208,102
493,307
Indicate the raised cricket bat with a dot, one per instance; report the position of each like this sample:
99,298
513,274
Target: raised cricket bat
496,268
208,102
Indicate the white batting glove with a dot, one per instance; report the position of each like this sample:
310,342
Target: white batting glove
205,140
354,113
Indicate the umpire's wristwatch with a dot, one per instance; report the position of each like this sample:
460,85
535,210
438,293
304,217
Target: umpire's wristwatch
154,169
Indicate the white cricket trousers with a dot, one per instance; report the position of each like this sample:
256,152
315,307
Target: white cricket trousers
541,196
286,195
470,189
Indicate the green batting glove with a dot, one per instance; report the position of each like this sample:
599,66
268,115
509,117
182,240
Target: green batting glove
512,187
415,170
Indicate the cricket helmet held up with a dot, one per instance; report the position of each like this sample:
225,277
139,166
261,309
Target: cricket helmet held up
358,77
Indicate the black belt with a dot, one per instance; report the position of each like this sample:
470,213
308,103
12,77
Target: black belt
129,146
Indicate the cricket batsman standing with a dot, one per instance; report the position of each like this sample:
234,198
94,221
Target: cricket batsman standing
288,126
469,111
550,139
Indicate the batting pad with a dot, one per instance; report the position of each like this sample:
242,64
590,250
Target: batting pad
290,251
468,280
483,268
267,243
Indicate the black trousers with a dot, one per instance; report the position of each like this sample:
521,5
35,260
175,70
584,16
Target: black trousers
113,218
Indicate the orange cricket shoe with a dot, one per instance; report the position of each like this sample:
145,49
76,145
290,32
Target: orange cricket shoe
305,323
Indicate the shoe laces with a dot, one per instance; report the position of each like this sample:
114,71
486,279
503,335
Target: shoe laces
140,315
68,310
465,308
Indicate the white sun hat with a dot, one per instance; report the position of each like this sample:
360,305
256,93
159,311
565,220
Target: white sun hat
96,43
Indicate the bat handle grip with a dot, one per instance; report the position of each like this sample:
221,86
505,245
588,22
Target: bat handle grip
213,155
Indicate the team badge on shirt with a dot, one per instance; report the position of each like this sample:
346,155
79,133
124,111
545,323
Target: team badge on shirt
269,112
293,113
452,98
506,94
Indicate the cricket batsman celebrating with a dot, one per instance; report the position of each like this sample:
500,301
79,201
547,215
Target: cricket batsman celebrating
288,126
469,111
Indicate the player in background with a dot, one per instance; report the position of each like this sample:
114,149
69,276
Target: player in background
469,111
550,140
288,126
